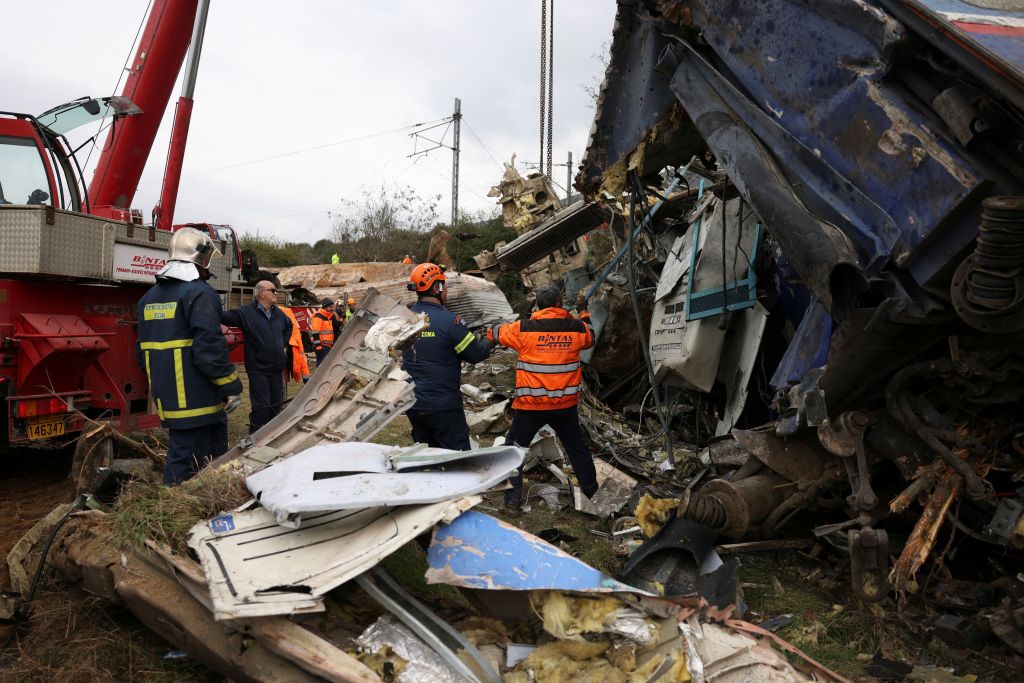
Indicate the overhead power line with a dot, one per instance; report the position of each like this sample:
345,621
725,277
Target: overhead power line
306,149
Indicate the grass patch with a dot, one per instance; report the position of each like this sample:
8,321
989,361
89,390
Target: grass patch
149,510
397,433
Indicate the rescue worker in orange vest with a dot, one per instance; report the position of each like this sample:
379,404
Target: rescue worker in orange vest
322,330
407,260
548,375
298,368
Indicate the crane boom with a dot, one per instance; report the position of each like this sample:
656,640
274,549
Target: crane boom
154,70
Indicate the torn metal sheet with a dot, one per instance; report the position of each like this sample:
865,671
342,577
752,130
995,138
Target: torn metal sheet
353,476
613,490
255,567
560,230
478,551
458,652
685,353
736,367
490,419
422,665
351,396
723,265
393,332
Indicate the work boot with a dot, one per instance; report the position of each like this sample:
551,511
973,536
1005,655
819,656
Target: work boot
590,490
513,506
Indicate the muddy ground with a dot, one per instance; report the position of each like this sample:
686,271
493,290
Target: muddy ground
75,637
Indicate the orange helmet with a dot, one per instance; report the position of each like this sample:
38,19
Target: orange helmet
424,276
351,301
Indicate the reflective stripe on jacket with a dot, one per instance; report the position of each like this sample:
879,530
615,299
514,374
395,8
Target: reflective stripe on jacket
548,371
300,366
322,323
184,353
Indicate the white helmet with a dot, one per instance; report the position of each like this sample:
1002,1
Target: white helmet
192,246
190,250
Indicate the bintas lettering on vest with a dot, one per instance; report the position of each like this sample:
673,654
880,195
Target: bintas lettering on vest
554,342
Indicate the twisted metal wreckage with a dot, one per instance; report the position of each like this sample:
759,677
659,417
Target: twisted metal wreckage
817,217
844,266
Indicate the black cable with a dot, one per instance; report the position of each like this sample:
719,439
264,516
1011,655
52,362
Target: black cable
724,322
636,192
23,609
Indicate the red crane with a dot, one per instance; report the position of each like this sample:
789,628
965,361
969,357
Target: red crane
67,335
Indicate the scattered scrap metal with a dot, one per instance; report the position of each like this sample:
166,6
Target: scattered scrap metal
255,599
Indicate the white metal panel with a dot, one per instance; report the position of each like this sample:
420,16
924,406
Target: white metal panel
254,567
353,475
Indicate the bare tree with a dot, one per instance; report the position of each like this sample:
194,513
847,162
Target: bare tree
387,222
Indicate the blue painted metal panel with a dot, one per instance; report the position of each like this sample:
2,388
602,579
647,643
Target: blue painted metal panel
808,350
479,551
816,72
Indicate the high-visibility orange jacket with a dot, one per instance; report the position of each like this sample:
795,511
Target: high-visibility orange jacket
548,370
300,366
323,322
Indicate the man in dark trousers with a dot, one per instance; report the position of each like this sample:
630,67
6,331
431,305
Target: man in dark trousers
435,363
186,356
548,375
267,331
325,327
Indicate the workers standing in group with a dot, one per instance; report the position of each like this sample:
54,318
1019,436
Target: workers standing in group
548,376
323,329
267,333
297,367
434,362
407,260
186,356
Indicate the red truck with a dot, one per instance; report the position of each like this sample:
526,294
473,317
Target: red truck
75,259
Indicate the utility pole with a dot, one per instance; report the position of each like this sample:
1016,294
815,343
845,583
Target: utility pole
568,178
457,118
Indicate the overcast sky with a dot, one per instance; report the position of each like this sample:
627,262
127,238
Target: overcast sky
278,77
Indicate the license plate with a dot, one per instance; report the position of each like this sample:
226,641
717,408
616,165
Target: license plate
45,428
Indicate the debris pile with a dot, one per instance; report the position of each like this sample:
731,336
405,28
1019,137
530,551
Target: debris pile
269,547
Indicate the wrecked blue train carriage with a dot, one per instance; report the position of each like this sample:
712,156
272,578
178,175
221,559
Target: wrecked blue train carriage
880,145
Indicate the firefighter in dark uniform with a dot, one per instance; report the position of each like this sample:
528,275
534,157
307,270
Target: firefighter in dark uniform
186,356
435,364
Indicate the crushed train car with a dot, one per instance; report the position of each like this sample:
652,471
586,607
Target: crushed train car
843,276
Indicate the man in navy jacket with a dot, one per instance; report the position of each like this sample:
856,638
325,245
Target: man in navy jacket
435,364
186,357
267,331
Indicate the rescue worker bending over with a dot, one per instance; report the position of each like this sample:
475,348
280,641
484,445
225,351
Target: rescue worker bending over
548,375
186,356
435,363
324,326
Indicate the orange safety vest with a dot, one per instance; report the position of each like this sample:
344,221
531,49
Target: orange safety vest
300,366
548,370
322,322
